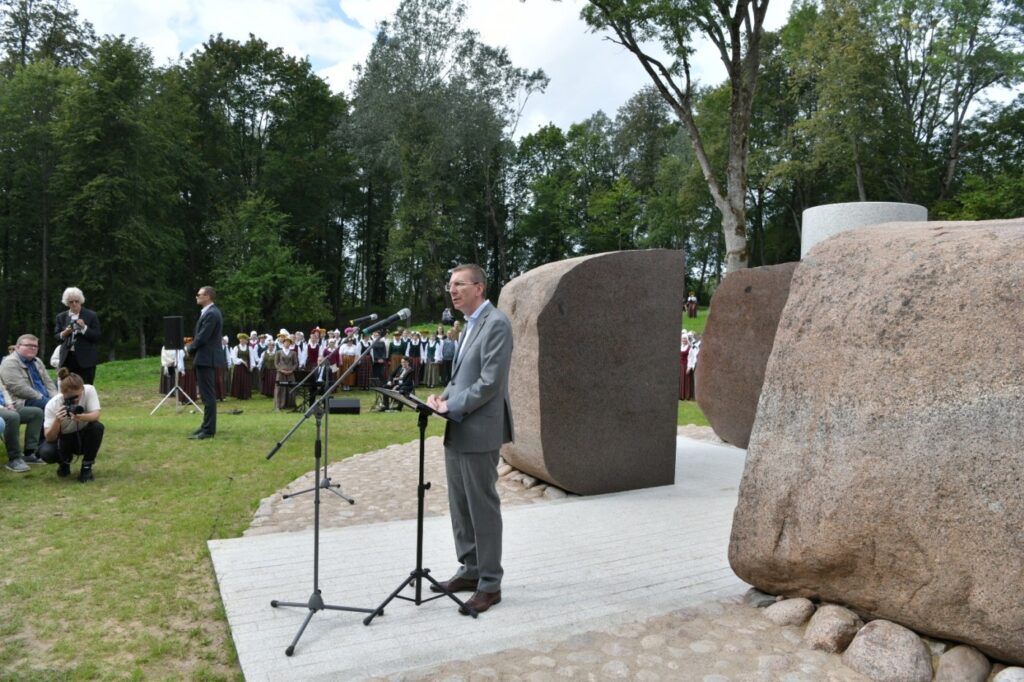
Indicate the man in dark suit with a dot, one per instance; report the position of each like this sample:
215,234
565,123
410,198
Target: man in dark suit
401,381
476,400
78,330
206,349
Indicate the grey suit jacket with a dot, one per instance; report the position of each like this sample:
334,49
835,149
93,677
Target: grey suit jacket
477,394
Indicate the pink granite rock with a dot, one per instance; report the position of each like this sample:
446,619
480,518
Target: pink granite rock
734,349
886,463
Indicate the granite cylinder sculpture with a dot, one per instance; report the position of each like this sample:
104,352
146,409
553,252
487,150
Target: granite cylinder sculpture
594,382
821,222
884,467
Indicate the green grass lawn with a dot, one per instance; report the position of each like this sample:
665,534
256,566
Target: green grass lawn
112,579
696,324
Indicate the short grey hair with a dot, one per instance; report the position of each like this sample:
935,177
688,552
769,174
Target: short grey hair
478,274
72,293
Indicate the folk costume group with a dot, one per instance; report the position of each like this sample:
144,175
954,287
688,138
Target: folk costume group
272,366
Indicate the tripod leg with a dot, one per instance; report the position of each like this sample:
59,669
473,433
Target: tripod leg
291,648
379,611
462,604
159,404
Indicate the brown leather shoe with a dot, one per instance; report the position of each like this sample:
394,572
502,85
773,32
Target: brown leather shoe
480,602
455,585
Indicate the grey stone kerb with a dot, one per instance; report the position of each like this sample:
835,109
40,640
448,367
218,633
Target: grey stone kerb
594,382
821,222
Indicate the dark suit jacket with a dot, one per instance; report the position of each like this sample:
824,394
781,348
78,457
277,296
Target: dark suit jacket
205,346
401,380
85,344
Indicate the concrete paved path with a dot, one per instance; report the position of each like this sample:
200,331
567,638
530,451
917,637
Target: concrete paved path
571,566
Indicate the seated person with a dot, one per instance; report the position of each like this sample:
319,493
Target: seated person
25,375
11,419
401,381
71,425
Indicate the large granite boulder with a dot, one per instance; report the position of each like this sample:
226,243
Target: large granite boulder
885,465
734,349
594,381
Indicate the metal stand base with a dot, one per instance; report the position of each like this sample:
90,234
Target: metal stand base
418,574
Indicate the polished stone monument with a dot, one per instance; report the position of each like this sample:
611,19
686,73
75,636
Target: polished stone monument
594,382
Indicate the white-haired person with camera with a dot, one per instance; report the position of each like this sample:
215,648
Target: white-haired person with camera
78,331
71,426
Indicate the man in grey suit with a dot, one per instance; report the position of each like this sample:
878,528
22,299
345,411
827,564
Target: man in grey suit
476,400
206,348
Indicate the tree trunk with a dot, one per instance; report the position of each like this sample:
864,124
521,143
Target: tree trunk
142,339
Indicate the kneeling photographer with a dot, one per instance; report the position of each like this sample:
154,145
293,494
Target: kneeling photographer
71,425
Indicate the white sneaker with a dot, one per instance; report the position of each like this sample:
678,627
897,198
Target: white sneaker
17,465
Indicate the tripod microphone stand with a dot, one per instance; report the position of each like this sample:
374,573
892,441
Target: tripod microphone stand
315,602
416,577
176,390
325,478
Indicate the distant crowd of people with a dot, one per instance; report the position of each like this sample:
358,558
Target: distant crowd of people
273,364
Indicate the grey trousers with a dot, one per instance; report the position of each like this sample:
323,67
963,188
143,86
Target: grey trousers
475,509
32,419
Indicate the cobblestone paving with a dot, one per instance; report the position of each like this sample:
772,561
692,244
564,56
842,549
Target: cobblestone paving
723,641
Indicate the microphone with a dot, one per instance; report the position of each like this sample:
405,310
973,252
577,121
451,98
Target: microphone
403,314
372,317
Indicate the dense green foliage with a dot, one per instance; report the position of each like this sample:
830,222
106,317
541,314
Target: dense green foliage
238,167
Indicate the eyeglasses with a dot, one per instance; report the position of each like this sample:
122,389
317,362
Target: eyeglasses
458,285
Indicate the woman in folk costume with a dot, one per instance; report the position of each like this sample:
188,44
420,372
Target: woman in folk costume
365,370
396,351
314,347
349,351
684,369
241,375
171,361
269,367
256,351
691,363
330,356
432,359
691,305
414,351
449,349
222,380
286,361
187,380
301,349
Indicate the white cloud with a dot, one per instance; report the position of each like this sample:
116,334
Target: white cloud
587,71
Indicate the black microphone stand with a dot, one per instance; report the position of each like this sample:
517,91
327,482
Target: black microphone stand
315,603
416,577
325,480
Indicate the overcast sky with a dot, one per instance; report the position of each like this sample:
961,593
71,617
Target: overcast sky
587,72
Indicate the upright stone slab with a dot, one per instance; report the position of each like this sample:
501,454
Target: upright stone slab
734,349
884,470
594,382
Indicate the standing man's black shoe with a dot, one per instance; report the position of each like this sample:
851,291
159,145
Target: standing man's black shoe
202,435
